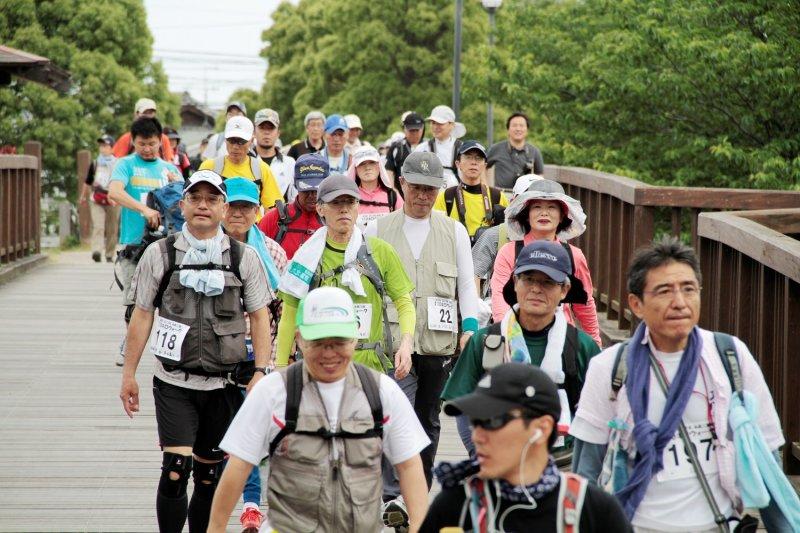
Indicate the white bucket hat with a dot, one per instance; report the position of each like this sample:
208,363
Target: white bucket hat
545,189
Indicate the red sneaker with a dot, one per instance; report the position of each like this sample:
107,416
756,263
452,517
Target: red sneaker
251,520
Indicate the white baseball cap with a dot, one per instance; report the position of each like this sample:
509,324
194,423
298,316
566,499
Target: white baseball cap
353,122
442,114
207,176
365,153
523,182
327,312
143,104
240,127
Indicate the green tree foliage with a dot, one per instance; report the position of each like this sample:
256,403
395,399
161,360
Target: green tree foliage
374,58
680,92
106,47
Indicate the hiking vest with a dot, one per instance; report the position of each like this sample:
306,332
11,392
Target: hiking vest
215,341
435,278
323,478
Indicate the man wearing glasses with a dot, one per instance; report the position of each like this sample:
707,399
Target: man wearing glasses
513,483
202,282
237,163
534,331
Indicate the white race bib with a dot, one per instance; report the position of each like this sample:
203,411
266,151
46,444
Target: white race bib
366,218
442,314
166,338
677,464
364,317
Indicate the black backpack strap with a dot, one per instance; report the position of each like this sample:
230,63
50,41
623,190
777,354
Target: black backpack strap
283,221
456,145
294,392
392,194
169,242
449,200
518,246
236,251
727,353
372,391
568,248
569,360
620,369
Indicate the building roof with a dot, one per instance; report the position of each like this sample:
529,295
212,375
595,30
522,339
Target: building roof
31,67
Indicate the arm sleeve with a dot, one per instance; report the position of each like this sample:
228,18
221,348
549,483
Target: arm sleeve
585,314
468,370
467,293
286,329
503,267
406,314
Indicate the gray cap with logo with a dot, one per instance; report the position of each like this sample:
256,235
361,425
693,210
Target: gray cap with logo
267,115
423,168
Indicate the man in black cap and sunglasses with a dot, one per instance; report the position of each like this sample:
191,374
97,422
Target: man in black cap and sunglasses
513,483
534,332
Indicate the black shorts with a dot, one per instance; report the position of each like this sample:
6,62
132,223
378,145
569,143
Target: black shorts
195,418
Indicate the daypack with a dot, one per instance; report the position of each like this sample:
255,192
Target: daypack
284,221
166,201
294,393
456,145
571,495
494,348
725,347
576,294
491,198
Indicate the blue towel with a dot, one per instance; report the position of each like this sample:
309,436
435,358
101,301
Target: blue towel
256,239
758,474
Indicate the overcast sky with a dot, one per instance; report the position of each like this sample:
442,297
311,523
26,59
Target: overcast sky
210,48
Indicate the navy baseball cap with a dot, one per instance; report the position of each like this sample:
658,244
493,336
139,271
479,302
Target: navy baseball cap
309,171
472,145
413,121
544,256
335,122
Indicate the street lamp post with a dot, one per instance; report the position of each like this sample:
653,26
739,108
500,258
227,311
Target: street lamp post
457,59
491,7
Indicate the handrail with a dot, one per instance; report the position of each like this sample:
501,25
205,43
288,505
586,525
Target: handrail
20,191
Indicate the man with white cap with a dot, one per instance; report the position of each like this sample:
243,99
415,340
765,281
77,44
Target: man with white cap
268,132
446,141
216,143
314,123
324,423
435,252
144,107
239,164
355,129
202,283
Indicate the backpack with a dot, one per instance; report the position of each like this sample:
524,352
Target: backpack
725,347
493,348
236,251
455,195
456,145
390,203
284,221
294,393
576,294
571,496
166,201
255,168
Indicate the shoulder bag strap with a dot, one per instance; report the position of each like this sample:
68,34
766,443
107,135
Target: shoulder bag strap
294,392
169,268
372,392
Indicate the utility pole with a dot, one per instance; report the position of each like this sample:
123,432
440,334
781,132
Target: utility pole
457,60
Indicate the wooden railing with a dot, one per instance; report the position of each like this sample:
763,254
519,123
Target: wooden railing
20,191
751,288
623,214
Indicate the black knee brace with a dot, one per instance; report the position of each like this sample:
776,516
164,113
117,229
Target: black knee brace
177,464
206,473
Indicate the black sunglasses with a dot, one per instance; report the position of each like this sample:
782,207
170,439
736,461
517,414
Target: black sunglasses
496,422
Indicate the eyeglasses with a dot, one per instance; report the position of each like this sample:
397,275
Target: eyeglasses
197,198
343,202
473,158
242,206
545,284
666,292
496,422
237,141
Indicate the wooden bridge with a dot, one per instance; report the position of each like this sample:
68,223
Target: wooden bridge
74,462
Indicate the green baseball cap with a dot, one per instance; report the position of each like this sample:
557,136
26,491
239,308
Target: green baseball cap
327,312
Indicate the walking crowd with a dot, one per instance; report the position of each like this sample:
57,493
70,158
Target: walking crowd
313,307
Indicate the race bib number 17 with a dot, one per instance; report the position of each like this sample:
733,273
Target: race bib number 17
167,337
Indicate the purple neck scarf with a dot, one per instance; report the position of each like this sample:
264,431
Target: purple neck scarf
651,440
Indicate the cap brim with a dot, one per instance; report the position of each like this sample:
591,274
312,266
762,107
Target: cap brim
336,194
241,198
256,123
555,275
307,184
193,185
313,332
438,120
422,179
237,136
478,405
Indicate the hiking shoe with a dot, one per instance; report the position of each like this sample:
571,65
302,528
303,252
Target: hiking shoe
395,514
96,257
251,520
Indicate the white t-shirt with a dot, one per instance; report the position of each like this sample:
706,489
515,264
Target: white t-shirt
444,151
254,427
211,148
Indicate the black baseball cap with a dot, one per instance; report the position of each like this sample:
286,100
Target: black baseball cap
509,386
466,146
413,121
106,139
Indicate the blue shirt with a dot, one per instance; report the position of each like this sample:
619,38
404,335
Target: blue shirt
139,177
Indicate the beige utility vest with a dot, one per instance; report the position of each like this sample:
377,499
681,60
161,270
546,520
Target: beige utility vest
435,275
332,485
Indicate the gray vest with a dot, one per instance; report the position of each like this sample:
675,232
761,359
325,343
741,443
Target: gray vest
331,485
215,341
435,275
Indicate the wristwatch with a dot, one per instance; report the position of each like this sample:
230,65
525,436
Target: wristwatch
261,369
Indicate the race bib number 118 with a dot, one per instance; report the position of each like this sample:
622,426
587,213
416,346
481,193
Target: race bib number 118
167,337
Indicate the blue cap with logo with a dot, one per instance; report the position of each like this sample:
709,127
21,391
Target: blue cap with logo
335,122
548,257
309,171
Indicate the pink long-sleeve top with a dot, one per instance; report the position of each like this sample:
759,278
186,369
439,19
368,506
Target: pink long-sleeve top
585,314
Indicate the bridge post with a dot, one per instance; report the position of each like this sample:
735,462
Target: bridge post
83,160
